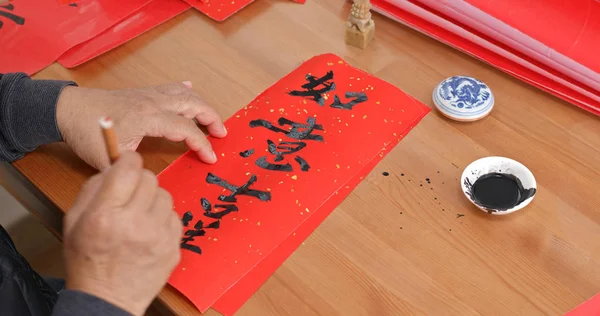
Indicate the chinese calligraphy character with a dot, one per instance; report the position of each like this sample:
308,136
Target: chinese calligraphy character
198,231
227,208
313,82
359,97
15,18
295,132
286,149
238,190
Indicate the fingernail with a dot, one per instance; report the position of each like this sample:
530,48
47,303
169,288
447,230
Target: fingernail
224,129
187,84
214,156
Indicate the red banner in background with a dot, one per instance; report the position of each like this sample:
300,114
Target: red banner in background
290,151
35,33
148,17
419,17
571,28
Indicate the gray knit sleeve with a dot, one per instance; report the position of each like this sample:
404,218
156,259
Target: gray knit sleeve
27,114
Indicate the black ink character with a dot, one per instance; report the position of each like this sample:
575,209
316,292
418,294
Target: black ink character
313,82
198,231
247,153
295,132
15,18
284,148
187,217
238,190
304,166
358,97
227,208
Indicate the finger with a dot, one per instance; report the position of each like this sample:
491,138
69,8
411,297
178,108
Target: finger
88,191
122,179
187,84
176,128
192,106
142,197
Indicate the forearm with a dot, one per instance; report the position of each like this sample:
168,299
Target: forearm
27,114
79,303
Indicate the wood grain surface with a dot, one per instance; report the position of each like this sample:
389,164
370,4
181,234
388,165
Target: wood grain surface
396,245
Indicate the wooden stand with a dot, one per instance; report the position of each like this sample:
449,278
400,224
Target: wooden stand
360,28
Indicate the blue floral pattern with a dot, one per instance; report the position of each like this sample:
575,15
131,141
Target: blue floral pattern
464,92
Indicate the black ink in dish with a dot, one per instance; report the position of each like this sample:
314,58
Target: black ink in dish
498,191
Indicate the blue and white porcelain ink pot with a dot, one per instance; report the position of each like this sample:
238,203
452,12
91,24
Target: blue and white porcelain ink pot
463,98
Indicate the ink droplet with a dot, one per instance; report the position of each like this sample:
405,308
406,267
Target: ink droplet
402,174
385,173
421,184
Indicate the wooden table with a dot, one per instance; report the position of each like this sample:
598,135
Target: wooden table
393,247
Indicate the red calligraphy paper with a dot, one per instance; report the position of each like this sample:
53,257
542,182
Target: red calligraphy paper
35,33
323,124
235,298
148,17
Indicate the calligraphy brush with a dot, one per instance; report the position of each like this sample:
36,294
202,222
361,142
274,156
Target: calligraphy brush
110,138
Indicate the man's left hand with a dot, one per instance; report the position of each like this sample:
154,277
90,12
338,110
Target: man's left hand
160,111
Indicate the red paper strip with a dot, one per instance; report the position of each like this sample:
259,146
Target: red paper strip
488,56
337,146
219,10
235,298
35,33
148,17
590,307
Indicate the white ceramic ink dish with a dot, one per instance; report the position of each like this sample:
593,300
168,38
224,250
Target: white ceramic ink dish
501,165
